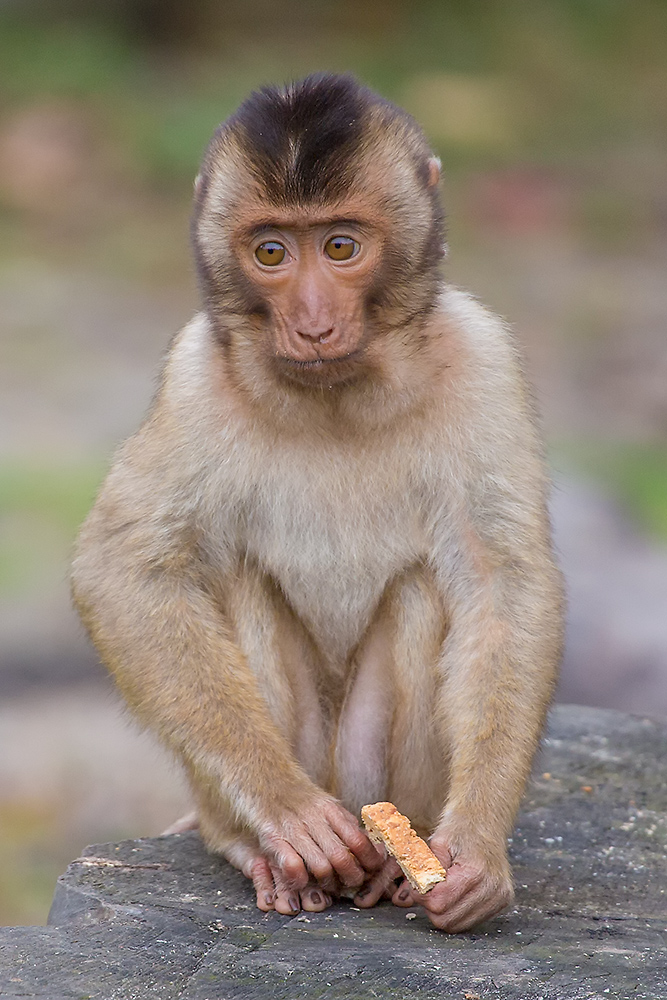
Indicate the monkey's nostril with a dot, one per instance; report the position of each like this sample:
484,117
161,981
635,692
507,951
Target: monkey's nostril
317,336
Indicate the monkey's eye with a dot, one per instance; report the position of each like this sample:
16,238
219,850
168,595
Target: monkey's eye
341,248
270,253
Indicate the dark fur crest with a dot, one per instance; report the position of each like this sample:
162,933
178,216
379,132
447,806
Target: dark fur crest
303,141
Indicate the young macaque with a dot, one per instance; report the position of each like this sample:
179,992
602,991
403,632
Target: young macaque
321,570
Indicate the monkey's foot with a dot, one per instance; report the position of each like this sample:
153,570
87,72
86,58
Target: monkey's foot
182,825
273,893
382,885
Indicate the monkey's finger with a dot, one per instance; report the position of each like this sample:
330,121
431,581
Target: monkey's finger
291,862
322,853
341,861
288,900
461,880
474,908
357,842
378,885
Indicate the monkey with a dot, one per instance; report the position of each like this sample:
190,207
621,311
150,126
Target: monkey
321,570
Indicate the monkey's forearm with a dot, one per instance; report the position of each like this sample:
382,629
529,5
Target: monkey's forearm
173,657
499,672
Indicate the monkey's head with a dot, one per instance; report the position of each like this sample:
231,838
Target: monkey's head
318,231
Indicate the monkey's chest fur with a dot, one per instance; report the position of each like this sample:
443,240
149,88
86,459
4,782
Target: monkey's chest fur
332,534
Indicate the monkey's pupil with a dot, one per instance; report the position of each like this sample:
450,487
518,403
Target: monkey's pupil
270,253
341,248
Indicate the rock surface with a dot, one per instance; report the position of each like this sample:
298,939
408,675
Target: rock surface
162,919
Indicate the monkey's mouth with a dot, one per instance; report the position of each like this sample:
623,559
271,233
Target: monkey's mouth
320,371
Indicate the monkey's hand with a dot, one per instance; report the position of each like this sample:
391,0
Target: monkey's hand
320,844
476,889
272,891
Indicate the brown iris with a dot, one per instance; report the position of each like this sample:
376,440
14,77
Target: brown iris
341,248
270,253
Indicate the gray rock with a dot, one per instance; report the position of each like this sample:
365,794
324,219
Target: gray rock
162,919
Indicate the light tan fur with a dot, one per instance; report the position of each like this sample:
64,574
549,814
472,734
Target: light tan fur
319,599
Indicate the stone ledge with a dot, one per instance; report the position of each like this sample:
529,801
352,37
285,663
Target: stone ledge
162,919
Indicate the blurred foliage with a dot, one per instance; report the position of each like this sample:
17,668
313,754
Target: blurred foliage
105,108
636,474
545,77
31,859
41,508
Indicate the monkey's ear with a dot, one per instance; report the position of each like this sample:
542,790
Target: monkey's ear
434,166
197,184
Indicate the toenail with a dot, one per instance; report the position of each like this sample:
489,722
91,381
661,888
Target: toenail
316,898
269,898
294,904
404,894
365,889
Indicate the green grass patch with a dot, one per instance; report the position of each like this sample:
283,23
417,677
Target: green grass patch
61,493
64,60
636,474
41,508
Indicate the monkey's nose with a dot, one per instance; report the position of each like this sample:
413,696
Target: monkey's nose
316,336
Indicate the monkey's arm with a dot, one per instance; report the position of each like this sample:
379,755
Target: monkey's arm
141,590
503,594
498,670
499,666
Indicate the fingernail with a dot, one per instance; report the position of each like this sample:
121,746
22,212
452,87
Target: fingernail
294,904
404,894
365,889
269,898
316,898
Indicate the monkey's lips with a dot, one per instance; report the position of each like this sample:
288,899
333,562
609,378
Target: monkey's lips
320,372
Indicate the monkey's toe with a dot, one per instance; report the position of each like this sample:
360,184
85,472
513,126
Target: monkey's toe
288,903
182,825
403,895
380,886
315,900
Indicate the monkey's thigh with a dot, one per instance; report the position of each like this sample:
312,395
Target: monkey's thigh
388,744
284,661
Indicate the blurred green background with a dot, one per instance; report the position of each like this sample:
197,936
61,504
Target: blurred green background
551,120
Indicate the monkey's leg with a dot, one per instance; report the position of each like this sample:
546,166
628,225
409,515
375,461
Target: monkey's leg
283,660
413,771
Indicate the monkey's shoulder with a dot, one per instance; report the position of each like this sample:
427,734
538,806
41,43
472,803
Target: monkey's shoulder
477,342
483,392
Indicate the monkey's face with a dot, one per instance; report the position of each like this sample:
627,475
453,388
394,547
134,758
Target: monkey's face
311,274
318,234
